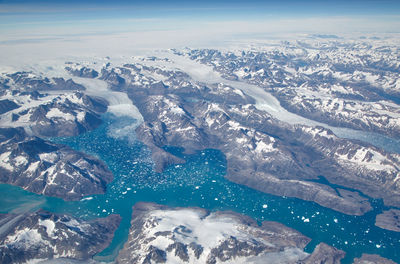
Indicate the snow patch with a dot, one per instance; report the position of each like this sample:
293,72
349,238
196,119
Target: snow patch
57,113
49,157
25,238
33,166
49,225
81,116
20,161
177,110
5,161
205,231
262,147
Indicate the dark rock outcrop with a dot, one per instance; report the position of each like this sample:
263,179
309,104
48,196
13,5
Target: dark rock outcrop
389,220
7,105
324,254
372,259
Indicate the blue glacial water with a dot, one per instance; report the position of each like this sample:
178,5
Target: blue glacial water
199,182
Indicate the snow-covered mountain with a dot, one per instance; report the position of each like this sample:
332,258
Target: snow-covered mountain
49,112
178,101
32,107
339,82
45,168
41,235
161,234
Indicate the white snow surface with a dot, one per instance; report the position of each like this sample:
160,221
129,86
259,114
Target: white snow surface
119,103
5,161
209,231
25,238
57,113
49,225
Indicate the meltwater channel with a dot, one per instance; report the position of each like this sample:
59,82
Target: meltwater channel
199,182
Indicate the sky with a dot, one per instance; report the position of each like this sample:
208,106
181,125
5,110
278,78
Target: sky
18,13
29,27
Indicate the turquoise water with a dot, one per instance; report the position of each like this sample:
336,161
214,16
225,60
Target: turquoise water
198,182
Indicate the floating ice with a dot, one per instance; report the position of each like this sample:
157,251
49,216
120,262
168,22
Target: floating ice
86,199
305,220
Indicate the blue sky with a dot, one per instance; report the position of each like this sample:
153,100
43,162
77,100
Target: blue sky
125,15
90,9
